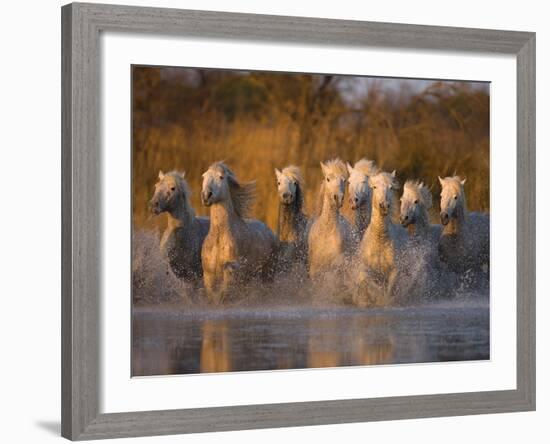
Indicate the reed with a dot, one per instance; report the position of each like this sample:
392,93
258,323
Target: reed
187,119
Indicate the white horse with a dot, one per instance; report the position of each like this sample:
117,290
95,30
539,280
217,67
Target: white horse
182,240
421,274
236,249
330,238
416,201
381,245
464,242
359,193
292,223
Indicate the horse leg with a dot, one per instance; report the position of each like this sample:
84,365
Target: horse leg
360,293
390,286
209,279
229,280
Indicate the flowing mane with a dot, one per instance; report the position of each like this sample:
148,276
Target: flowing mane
455,183
365,166
336,167
294,173
465,238
182,187
183,237
236,248
382,178
242,194
333,166
419,190
386,179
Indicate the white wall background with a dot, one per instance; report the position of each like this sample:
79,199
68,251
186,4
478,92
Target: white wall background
30,220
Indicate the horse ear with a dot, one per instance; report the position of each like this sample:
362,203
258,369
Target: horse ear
393,173
182,175
277,173
323,168
440,180
349,167
161,175
463,181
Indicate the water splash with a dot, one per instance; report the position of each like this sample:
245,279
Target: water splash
292,323
153,281
421,279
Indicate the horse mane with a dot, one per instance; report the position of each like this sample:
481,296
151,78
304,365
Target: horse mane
242,194
390,180
422,191
456,183
387,178
294,173
365,166
338,167
182,186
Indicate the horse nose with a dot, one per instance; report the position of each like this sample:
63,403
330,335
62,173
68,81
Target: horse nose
207,194
404,219
286,195
444,218
356,199
154,206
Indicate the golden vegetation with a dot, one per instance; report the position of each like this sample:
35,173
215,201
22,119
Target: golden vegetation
185,119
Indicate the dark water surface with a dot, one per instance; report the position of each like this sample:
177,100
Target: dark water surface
179,340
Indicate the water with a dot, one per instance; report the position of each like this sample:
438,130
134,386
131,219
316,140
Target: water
175,340
292,324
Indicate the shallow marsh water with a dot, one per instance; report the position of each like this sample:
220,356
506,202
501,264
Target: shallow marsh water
172,339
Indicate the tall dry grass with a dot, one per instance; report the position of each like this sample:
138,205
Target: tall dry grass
186,119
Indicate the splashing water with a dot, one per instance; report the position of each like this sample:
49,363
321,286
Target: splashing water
153,281
292,322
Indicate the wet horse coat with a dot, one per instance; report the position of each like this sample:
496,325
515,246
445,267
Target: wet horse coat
331,237
181,242
293,223
236,249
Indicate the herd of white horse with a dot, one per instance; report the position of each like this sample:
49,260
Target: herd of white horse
228,249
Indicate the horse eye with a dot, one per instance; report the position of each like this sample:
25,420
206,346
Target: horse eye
221,177
374,187
456,197
328,180
278,183
173,188
416,201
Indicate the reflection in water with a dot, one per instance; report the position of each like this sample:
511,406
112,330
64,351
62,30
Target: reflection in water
216,347
181,341
326,349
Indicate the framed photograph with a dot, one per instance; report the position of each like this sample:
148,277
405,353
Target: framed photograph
278,221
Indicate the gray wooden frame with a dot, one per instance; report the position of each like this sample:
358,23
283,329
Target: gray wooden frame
81,167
